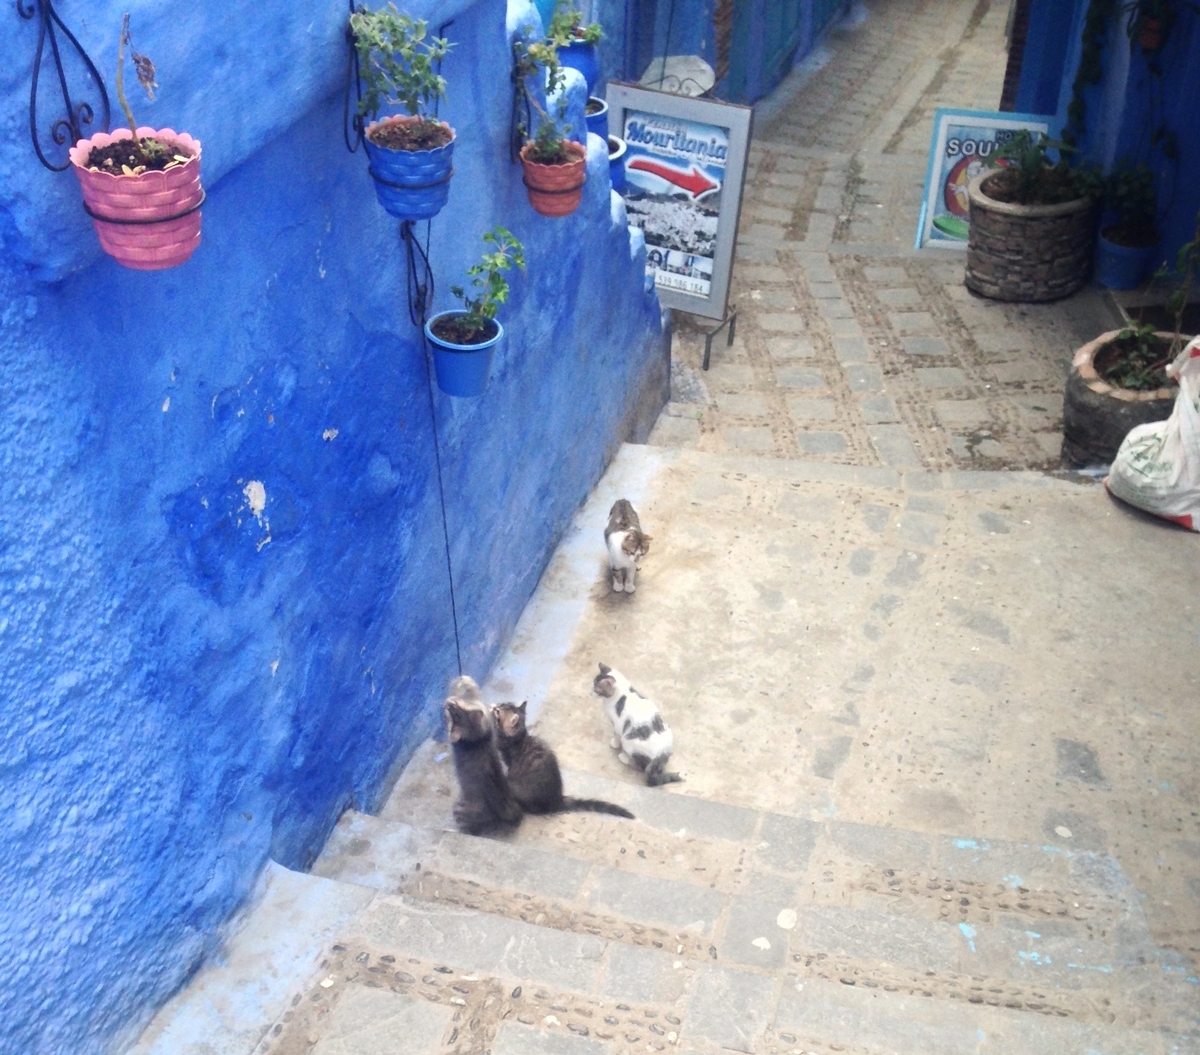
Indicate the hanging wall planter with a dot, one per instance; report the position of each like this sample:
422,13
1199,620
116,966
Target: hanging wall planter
147,219
596,112
616,162
411,155
555,189
461,369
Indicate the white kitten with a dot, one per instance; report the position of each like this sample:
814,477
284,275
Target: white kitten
639,733
627,545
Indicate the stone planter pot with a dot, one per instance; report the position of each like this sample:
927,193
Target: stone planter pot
1097,416
555,190
148,222
1028,253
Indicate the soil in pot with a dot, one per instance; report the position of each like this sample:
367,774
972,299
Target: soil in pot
450,329
594,106
1054,187
410,135
1139,366
121,155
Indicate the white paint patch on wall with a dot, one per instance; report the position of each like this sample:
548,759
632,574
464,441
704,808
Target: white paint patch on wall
256,496
329,434
166,404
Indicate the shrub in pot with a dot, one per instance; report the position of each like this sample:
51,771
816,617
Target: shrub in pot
1032,225
1119,380
464,340
555,167
576,43
141,186
1128,239
411,154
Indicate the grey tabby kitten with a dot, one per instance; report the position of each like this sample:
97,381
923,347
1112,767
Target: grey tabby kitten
485,799
533,772
626,543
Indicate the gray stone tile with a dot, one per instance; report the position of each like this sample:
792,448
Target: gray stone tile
883,848
726,376
516,1039
1027,369
799,377
846,327
370,1021
782,322
941,376
786,843
952,412
729,1008
875,517
903,297
764,273
753,935
906,322
889,276
878,409
860,563
790,347
510,865
742,404
830,755
652,900
821,442
824,290
874,1019
748,439
670,431
775,298
799,506
906,572
918,944
850,349
474,941
635,974
920,529
925,346
925,504
803,409
835,309
894,446
864,377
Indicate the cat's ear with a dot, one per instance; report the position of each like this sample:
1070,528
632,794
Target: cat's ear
522,708
455,730
647,538
604,671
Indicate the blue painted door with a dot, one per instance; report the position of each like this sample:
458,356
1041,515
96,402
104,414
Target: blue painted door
783,29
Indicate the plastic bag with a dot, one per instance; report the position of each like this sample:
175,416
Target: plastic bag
1158,466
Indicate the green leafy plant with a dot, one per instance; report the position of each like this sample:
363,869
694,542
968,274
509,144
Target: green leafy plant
1030,177
1129,192
541,60
488,278
397,63
1186,264
1135,359
566,26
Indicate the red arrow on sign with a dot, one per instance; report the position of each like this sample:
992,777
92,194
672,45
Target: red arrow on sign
694,182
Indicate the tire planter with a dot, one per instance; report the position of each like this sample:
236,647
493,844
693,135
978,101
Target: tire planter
580,55
1097,416
555,190
462,369
598,122
1121,266
149,222
616,162
1028,253
410,184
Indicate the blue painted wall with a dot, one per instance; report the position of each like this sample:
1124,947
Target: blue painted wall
187,688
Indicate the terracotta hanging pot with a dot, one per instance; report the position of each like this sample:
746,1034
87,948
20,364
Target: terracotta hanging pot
149,221
555,190
1150,34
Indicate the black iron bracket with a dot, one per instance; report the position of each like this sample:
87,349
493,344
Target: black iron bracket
66,130
730,320
353,125
418,274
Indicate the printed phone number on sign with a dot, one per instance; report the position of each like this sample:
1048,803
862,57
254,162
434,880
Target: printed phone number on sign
682,282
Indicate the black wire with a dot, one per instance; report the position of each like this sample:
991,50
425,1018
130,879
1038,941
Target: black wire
662,73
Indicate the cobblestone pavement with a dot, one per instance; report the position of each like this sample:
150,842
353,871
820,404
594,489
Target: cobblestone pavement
852,346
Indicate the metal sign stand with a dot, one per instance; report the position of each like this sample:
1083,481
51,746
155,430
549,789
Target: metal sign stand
730,320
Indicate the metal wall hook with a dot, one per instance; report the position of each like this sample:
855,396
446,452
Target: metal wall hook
351,124
66,130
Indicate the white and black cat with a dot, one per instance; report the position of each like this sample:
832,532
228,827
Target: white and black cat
639,733
486,800
626,543
533,773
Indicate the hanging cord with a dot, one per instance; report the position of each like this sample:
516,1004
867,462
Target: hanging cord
353,80
662,73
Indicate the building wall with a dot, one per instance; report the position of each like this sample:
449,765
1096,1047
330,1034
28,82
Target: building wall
188,688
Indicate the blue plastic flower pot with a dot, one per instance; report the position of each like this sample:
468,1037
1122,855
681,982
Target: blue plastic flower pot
581,56
616,162
411,184
1120,266
598,122
461,369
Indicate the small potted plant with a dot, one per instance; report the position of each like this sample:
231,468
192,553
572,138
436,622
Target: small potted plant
555,167
576,42
1119,380
464,339
1127,243
141,186
411,155
616,162
1032,223
596,112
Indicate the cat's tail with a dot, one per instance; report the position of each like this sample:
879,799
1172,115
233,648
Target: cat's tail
656,775
595,806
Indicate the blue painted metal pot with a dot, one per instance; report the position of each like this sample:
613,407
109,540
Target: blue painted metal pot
616,162
1122,266
598,122
410,184
461,369
581,56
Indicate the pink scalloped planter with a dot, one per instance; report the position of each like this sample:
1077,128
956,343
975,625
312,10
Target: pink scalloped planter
149,222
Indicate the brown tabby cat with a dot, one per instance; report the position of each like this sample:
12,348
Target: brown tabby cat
626,543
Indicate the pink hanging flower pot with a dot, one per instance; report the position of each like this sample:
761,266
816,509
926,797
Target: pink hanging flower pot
146,218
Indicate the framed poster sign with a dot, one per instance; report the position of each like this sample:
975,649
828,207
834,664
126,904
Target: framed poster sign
963,140
684,168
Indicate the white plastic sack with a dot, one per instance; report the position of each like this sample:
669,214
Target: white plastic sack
1158,466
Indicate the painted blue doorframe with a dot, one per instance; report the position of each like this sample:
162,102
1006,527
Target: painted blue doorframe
769,36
